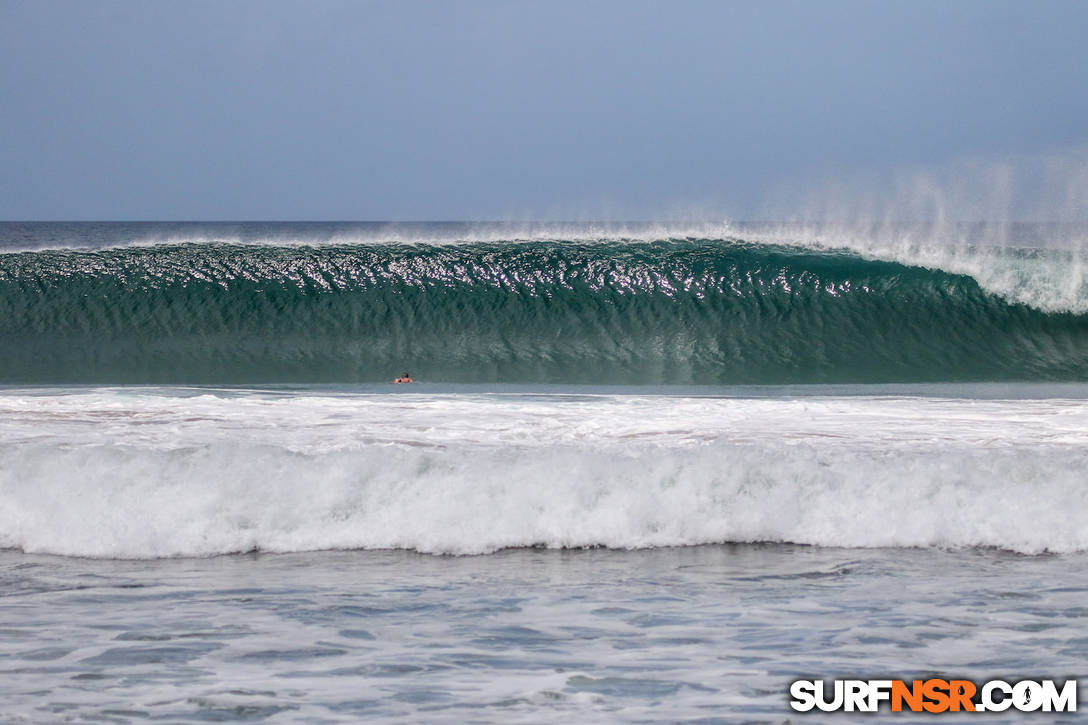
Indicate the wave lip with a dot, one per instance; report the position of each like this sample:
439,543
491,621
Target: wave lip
702,311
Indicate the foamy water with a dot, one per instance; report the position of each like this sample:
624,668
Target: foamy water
712,633
154,472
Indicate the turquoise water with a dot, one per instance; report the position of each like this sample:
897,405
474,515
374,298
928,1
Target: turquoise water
295,307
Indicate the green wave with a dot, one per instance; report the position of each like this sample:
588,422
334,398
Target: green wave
680,311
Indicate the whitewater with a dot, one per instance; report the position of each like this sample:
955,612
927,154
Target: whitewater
136,472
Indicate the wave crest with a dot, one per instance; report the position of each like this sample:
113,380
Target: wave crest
684,311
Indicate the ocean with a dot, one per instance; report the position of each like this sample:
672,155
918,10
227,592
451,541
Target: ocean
648,472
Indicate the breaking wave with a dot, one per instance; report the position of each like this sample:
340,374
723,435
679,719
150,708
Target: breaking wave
143,473
679,311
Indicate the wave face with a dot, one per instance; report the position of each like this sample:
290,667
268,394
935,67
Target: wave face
140,473
678,311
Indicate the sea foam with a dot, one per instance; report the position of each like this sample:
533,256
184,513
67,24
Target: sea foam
141,475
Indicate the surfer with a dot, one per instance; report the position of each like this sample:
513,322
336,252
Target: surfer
406,378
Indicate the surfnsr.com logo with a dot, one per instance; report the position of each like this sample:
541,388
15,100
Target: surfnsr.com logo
933,695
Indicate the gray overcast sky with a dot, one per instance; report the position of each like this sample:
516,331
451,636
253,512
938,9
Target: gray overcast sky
491,110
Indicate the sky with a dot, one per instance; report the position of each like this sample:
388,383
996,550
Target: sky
447,110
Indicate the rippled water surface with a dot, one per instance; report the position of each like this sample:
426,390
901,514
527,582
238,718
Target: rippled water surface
709,633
